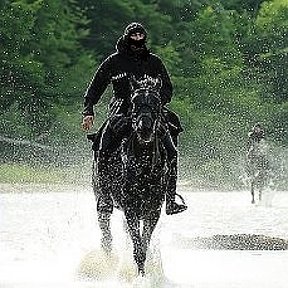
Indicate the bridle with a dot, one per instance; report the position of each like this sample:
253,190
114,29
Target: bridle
146,107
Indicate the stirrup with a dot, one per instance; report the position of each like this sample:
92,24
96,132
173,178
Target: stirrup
174,208
181,198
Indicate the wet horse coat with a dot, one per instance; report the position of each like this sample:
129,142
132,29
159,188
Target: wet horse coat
134,178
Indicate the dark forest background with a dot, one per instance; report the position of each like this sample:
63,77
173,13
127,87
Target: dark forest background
228,60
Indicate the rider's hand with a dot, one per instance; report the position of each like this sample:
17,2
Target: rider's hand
87,122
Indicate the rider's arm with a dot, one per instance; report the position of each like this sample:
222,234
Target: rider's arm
97,87
166,89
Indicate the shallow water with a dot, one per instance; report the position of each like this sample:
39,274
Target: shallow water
47,231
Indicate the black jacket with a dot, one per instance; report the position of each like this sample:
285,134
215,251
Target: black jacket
117,69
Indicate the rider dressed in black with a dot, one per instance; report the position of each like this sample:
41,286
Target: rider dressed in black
256,156
254,138
132,59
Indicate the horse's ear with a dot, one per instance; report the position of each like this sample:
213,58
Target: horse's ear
158,84
134,84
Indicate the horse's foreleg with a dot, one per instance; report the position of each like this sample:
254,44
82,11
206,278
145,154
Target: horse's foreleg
261,187
104,201
148,228
252,192
134,231
104,211
104,224
264,182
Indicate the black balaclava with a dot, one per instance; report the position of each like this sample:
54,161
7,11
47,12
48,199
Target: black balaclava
135,28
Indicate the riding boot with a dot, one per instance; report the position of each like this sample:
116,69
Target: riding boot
171,206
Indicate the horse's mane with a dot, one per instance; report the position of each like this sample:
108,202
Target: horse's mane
146,83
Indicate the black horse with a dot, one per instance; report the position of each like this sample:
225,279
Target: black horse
135,177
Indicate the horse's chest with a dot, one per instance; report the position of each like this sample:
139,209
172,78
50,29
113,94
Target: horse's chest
141,165
145,169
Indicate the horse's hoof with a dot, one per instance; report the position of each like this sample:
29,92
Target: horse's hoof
141,272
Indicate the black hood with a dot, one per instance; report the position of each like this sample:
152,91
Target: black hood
122,47
124,43
134,28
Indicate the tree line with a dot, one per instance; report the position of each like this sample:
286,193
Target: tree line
227,59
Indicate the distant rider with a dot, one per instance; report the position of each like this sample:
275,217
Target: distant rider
256,154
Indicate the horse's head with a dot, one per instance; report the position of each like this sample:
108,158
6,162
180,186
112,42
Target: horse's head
146,107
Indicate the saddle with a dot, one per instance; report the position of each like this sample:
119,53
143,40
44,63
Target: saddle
121,125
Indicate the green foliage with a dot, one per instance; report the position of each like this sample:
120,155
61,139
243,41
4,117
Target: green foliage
108,20
171,56
227,59
27,174
41,48
12,173
272,31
